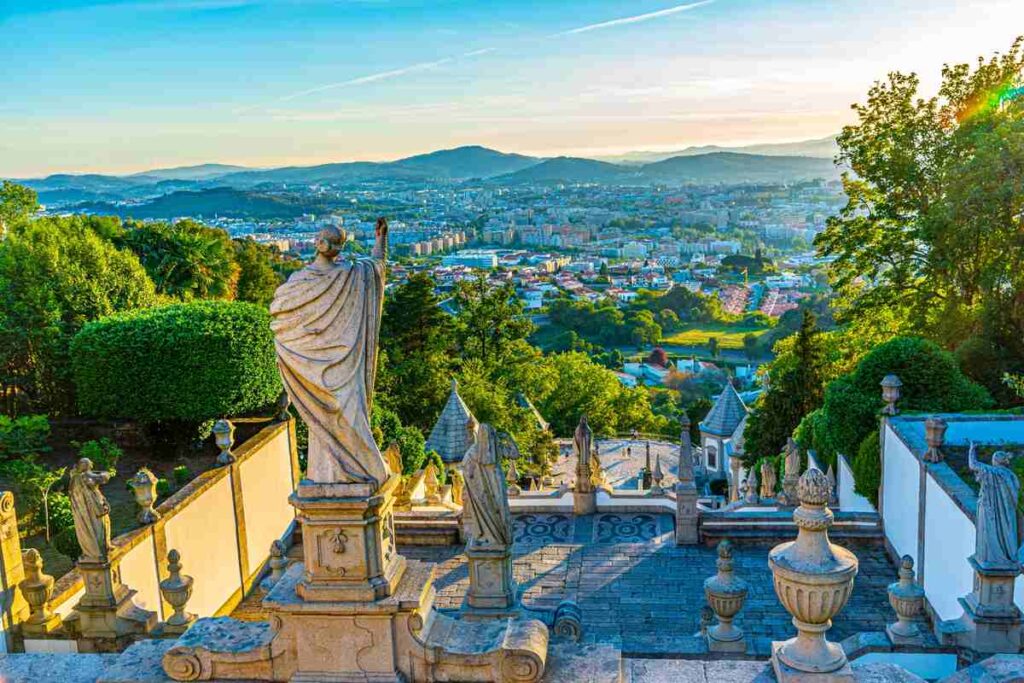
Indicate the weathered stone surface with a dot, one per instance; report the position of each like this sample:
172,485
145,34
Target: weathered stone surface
592,662
140,663
995,669
695,671
883,672
66,668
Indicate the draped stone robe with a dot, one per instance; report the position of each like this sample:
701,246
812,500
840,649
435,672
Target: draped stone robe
90,511
996,532
485,494
583,446
326,322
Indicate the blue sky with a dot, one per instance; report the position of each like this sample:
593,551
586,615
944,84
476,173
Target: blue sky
124,85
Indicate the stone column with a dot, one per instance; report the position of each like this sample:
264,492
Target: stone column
15,609
687,519
735,468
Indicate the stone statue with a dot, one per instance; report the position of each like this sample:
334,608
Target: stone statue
326,321
90,510
582,443
597,475
997,543
768,479
485,493
791,475
751,493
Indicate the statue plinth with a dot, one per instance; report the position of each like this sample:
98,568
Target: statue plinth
992,619
348,543
687,518
584,502
492,591
107,612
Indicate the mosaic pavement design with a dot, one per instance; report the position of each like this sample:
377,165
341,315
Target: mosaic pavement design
543,528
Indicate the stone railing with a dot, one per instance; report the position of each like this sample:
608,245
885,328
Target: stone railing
222,523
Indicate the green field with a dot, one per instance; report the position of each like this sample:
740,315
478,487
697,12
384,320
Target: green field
729,336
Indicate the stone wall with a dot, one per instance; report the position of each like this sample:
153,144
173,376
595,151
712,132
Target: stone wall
222,523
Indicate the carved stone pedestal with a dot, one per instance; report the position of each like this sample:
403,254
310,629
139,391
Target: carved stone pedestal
107,616
687,518
992,620
348,541
492,592
584,502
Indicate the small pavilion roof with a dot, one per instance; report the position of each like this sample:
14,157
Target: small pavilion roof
727,413
451,436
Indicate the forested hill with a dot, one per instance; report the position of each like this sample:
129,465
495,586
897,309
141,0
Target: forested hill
225,202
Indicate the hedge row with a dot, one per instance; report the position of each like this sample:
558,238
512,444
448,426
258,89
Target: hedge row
196,361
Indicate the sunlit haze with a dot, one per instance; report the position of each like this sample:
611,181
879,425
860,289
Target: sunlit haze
122,86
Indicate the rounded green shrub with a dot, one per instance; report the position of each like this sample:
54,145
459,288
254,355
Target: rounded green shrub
867,468
196,361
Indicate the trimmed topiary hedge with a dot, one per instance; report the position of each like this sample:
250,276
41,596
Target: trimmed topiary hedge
196,361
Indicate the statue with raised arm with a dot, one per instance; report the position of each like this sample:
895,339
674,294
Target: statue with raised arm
485,494
90,510
326,321
582,444
997,543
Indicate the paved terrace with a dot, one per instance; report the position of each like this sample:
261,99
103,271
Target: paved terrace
636,587
622,460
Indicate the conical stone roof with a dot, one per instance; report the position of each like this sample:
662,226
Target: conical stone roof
727,413
453,432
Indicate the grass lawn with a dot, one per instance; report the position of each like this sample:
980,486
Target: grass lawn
729,336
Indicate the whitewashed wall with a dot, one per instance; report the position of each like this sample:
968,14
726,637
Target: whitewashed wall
849,499
949,541
901,488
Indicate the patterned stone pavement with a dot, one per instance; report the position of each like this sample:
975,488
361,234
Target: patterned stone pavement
622,460
645,593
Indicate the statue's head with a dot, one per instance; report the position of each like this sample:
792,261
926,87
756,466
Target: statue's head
329,241
1001,459
84,465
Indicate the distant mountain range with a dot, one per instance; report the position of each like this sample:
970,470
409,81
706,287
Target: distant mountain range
226,190
821,148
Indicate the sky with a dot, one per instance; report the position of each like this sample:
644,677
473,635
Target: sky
120,86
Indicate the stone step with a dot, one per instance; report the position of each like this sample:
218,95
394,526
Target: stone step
569,661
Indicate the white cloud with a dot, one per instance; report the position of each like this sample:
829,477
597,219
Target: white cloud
637,18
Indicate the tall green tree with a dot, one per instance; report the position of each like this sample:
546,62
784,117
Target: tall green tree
795,388
931,228
490,319
56,274
186,260
418,338
17,204
257,279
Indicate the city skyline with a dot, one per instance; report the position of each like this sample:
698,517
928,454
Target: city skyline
122,86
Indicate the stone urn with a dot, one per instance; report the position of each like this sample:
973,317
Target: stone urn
813,579
725,593
176,589
907,600
934,436
37,588
224,437
144,487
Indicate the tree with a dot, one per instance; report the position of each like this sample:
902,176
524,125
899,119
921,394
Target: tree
795,386
750,346
713,346
56,274
490,319
257,279
935,207
418,337
17,204
186,260
658,357
35,481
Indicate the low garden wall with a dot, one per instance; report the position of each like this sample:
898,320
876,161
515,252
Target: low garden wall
222,522
927,508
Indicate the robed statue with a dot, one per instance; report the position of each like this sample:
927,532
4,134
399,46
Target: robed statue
582,443
768,479
997,540
326,321
485,495
90,510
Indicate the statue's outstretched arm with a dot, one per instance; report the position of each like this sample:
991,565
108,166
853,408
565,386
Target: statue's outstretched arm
380,248
972,457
